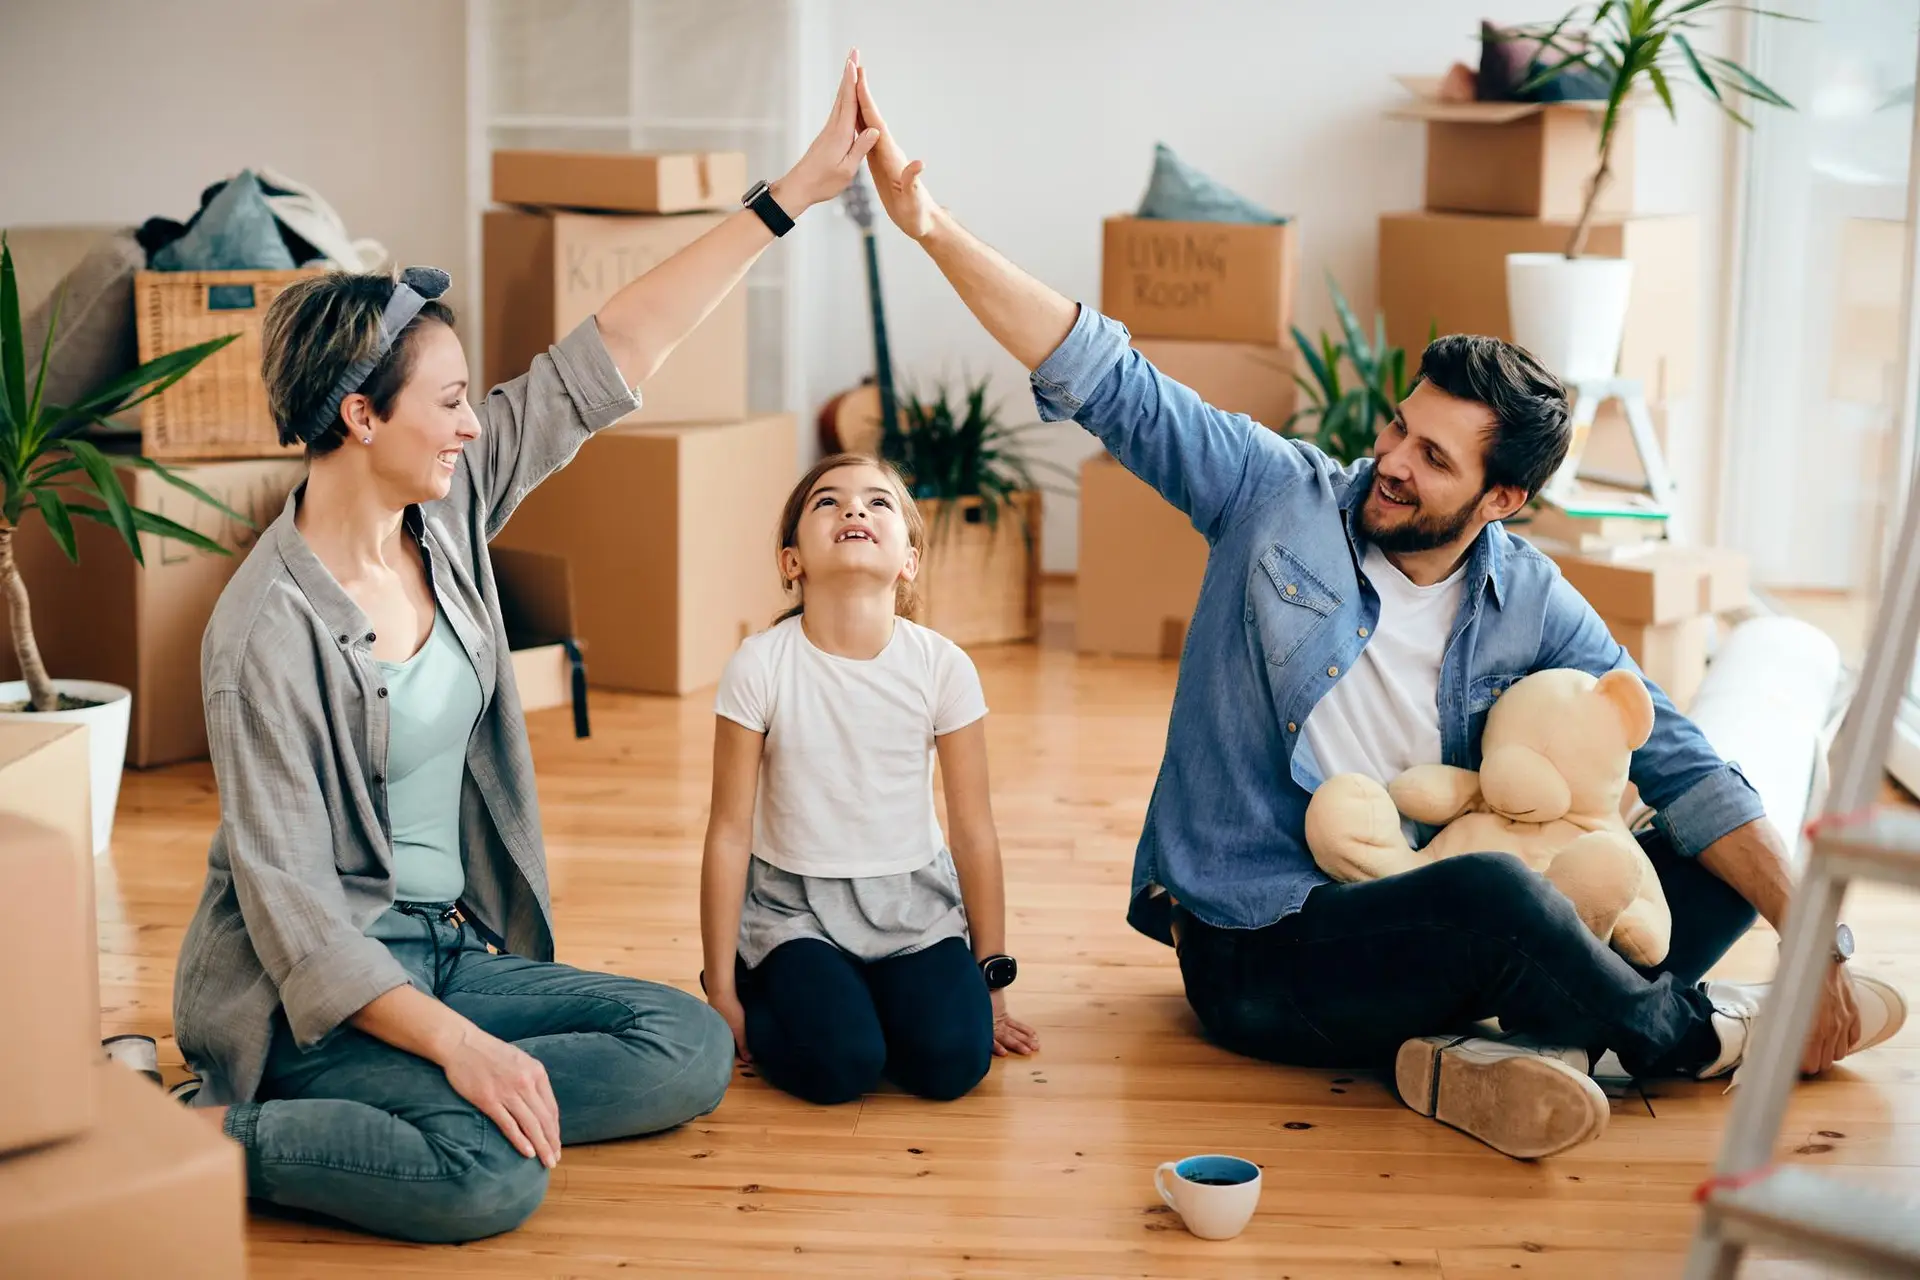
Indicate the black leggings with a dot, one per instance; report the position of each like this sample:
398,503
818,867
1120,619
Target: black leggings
825,1027
1362,967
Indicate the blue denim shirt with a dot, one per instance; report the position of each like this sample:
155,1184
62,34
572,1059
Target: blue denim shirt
1283,612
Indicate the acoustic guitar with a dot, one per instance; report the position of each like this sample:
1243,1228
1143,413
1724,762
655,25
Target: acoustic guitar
856,420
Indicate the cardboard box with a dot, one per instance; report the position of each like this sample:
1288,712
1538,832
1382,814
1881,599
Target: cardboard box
1522,159
1655,583
621,181
50,1004
668,533
1210,281
536,604
1240,377
979,582
106,618
1672,654
546,272
151,1190
1141,563
1450,270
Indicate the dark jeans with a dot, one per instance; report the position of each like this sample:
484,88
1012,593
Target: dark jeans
1362,968
825,1027
375,1137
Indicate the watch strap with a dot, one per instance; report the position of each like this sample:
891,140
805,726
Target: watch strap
760,200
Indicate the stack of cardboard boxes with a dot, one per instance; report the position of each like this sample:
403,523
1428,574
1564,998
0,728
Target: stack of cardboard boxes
666,521
1211,304
1510,177
101,1174
1662,602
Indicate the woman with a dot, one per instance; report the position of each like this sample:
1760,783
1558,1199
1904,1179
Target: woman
367,988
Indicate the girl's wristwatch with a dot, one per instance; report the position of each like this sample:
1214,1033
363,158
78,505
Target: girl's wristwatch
999,972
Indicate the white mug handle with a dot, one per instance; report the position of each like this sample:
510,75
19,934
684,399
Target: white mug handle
1160,1183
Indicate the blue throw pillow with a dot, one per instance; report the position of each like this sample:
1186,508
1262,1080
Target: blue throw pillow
235,232
1178,192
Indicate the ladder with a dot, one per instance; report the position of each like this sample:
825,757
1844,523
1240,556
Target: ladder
1749,1201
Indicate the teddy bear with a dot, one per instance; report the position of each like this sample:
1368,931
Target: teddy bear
1553,769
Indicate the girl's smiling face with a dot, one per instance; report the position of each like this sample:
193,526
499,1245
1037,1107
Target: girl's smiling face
852,526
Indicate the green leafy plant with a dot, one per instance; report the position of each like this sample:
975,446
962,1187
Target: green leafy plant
1631,43
951,447
1347,414
48,466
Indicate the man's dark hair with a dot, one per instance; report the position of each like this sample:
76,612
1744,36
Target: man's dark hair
1530,431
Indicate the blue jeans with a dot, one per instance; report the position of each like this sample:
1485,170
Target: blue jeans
371,1135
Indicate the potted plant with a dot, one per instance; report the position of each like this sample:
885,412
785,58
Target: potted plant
1347,417
1568,309
49,467
979,573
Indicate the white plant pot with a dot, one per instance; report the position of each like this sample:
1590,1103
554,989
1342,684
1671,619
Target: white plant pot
1571,313
106,739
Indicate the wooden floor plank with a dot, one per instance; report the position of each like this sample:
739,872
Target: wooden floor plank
1046,1169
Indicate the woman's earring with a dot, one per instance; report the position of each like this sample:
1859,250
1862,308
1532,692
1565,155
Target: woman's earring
366,439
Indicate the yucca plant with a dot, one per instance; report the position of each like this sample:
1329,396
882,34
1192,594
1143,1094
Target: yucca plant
1347,415
48,466
1631,42
950,447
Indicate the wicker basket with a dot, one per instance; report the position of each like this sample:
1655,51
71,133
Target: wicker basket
220,409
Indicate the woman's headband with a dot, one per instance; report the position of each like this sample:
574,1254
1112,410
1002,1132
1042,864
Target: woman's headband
416,287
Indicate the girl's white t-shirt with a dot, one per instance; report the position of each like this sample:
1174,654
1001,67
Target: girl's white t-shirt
846,778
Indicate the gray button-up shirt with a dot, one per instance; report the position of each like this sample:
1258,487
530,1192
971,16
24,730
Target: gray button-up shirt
297,724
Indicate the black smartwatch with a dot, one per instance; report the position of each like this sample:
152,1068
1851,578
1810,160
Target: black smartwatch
760,200
999,972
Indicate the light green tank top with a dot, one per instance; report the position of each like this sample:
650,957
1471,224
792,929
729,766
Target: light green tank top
435,701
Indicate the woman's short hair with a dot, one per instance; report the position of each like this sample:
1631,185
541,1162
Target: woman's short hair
315,331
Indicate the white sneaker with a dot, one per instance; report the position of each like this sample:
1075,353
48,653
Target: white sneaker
1883,1011
1521,1099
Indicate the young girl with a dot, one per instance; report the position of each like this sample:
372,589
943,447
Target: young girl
843,939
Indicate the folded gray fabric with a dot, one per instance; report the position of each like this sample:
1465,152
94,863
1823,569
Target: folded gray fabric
1179,192
235,232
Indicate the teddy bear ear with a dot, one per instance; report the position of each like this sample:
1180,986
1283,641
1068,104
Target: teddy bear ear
1627,694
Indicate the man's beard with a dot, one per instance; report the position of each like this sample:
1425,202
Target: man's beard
1421,531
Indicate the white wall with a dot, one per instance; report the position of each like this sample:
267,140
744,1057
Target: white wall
121,111
1037,120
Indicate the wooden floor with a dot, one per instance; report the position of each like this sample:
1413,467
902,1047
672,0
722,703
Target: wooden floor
1045,1169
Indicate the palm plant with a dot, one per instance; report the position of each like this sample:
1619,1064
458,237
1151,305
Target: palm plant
1347,416
1631,42
48,466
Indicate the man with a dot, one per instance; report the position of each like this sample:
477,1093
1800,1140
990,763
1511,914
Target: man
1363,619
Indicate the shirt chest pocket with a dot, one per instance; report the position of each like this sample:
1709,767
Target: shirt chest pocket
1286,603
1482,693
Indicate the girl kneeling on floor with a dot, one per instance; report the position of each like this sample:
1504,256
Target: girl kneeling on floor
843,940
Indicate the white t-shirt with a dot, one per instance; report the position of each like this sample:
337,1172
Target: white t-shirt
846,781
1383,716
